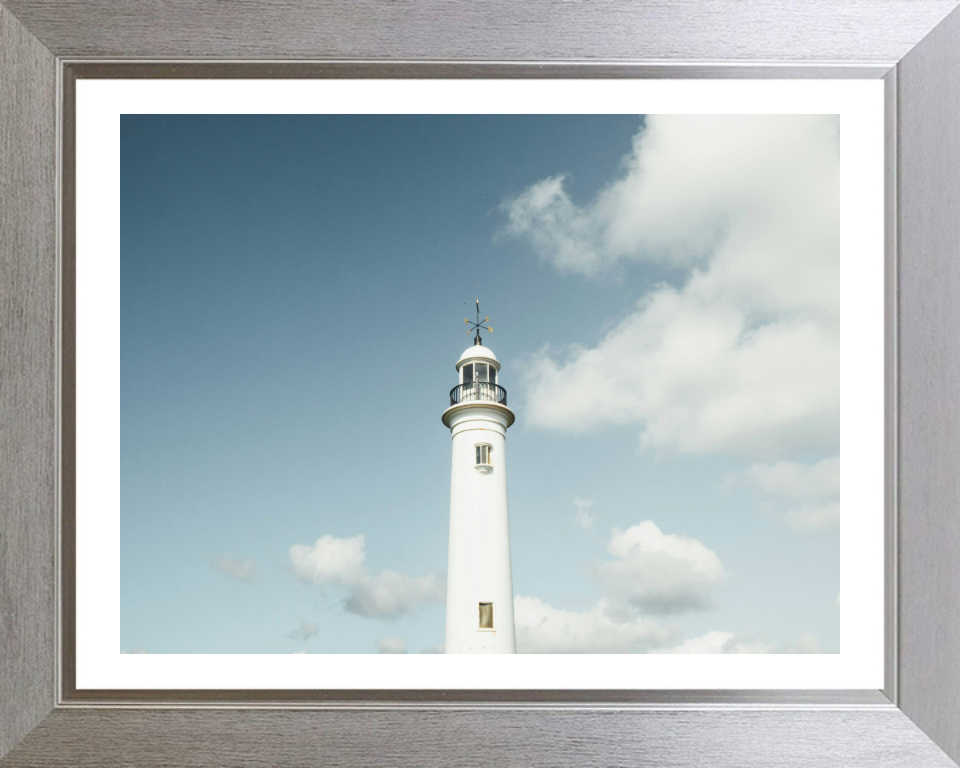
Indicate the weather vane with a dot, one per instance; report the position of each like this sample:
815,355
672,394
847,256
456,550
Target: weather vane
476,326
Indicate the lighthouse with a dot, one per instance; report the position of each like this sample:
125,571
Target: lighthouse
479,577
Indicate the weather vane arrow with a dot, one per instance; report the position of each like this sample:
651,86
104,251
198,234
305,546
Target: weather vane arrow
476,326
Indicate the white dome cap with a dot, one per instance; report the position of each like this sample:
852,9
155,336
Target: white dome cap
477,352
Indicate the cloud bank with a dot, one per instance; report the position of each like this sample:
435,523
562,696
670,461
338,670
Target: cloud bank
740,356
341,562
654,574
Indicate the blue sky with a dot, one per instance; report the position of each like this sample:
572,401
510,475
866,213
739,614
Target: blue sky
293,291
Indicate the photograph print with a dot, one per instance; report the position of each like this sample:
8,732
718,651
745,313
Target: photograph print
541,384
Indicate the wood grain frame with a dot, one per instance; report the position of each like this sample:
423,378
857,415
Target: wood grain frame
913,44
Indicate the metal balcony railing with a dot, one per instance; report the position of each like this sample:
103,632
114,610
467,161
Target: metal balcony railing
481,391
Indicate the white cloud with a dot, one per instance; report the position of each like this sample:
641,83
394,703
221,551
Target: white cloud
728,642
583,518
234,566
137,649
340,561
542,628
603,628
653,574
807,496
560,232
304,632
723,642
806,642
330,560
744,356
391,594
694,184
815,517
392,645
438,648
660,573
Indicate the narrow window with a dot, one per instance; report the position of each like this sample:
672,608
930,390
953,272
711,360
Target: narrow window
493,375
468,374
483,454
486,615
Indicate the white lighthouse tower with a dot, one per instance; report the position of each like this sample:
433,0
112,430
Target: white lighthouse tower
479,578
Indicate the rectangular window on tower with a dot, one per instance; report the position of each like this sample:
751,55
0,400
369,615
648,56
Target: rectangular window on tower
483,454
468,374
486,615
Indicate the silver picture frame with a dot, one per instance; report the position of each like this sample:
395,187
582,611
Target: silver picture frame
913,45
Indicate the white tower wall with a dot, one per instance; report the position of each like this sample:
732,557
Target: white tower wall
479,568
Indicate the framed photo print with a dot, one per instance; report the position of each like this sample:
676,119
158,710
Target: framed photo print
717,454
376,394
